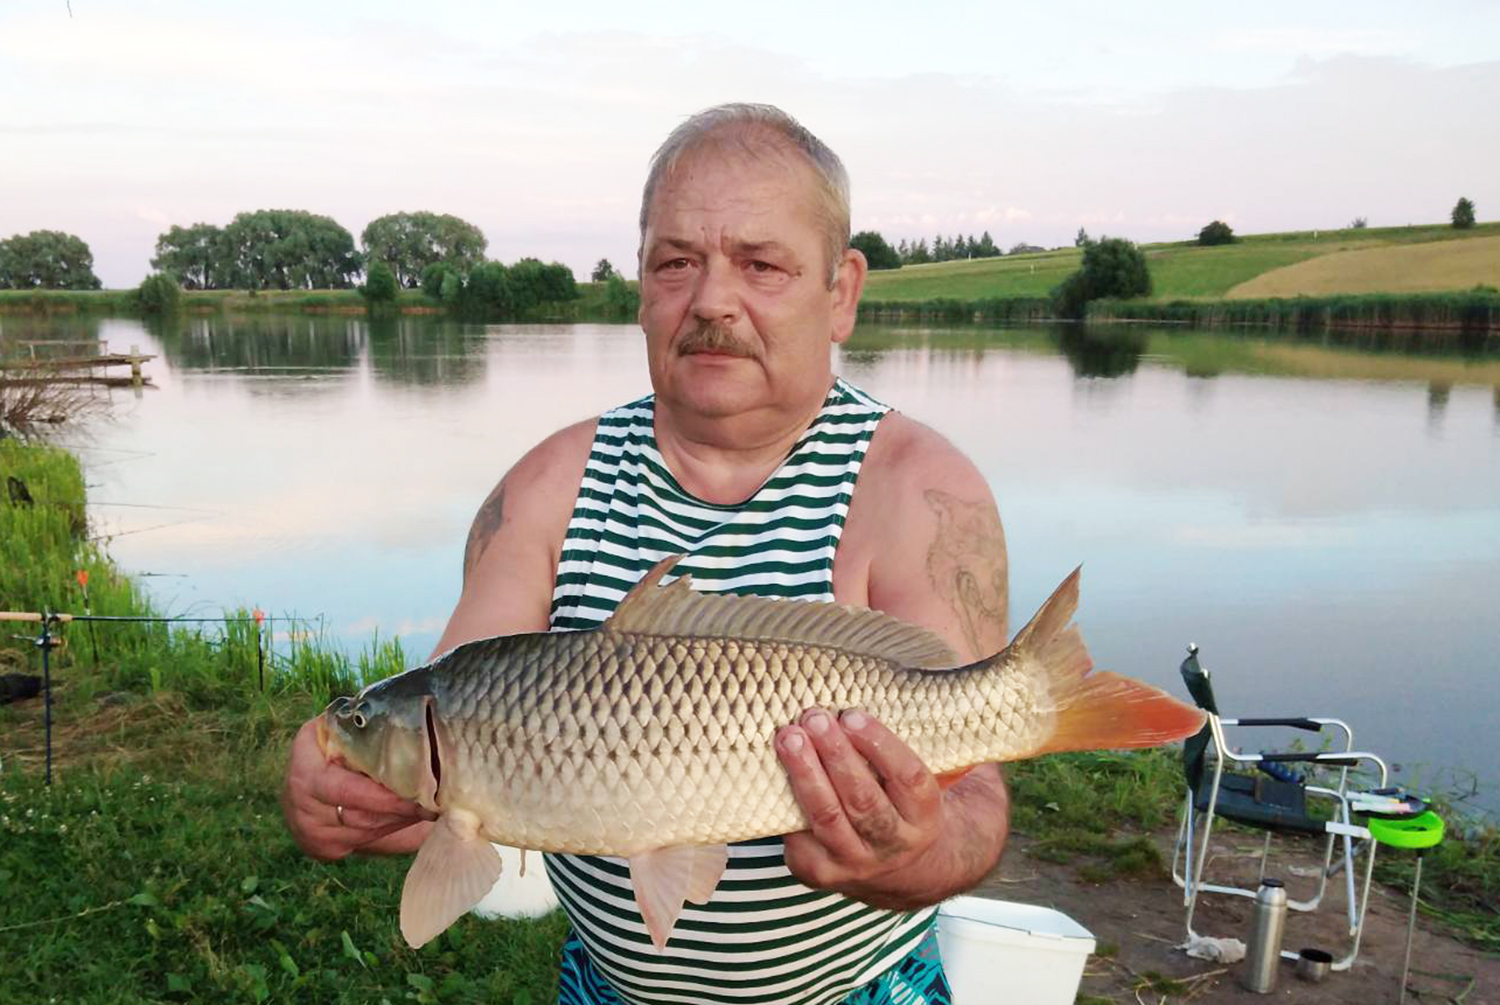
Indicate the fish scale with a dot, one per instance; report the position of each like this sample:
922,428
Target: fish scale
639,735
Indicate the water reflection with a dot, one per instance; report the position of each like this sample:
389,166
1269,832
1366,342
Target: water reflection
1281,500
1102,352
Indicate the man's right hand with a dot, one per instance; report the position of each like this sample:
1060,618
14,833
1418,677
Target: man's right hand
332,811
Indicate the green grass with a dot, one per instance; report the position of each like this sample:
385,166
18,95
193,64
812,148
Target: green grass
156,866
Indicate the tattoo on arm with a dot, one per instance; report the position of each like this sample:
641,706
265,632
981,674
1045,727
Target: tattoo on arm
966,564
486,522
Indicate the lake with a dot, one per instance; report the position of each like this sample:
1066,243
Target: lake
1321,515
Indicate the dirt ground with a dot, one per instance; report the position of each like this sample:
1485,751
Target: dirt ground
1142,922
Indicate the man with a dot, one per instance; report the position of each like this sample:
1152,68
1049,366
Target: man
776,479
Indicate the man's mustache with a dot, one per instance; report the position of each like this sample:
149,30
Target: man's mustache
709,336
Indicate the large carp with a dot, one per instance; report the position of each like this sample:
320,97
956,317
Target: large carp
650,737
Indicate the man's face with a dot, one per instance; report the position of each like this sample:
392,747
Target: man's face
734,285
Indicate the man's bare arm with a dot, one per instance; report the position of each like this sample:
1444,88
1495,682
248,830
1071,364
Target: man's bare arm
881,828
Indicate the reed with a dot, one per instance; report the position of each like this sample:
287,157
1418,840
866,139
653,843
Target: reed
1473,311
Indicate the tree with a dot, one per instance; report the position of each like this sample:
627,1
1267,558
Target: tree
1358,223
876,249
1463,214
191,254
1217,232
410,242
602,271
986,247
48,260
919,253
286,249
1111,267
380,285
1081,239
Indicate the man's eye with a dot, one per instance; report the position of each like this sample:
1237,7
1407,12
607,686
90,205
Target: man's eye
673,265
762,267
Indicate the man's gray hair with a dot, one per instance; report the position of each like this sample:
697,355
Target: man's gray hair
750,125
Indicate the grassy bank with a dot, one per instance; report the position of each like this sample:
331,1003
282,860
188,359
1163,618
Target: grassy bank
156,868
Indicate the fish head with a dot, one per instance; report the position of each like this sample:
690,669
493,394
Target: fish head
389,733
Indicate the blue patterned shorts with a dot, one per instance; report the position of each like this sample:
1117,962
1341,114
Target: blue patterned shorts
916,980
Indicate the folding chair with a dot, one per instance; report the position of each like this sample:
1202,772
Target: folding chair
1246,788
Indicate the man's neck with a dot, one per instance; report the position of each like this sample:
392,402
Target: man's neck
725,460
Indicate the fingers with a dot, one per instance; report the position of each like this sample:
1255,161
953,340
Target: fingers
815,754
908,784
332,811
867,796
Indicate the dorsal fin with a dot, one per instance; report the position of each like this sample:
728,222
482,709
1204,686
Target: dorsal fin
677,609
1048,622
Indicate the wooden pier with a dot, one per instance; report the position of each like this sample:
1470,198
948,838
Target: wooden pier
42,369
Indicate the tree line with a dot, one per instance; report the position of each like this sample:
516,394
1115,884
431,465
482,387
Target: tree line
881,254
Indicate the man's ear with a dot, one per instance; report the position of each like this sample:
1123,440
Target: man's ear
848,284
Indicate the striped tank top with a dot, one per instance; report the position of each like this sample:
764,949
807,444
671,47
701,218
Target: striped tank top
764,937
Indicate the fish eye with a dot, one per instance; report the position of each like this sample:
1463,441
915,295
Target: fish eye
359,720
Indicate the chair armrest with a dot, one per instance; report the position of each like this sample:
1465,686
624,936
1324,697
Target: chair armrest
1311,725
1336,758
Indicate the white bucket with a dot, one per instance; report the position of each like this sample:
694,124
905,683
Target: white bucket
1003,952
517,896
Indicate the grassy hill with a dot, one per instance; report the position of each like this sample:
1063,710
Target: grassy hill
1429,267
1369,260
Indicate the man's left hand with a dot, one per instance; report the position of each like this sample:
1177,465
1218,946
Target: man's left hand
881,829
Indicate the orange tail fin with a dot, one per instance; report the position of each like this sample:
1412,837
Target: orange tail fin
1102,710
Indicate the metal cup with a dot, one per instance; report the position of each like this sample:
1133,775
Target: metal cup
1313,964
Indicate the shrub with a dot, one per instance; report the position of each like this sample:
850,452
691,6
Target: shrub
380,284
433,278
1112,267
1217,232
159,293
620,300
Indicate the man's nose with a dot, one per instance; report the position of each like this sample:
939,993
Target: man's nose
716,298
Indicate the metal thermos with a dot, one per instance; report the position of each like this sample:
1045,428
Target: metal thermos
1263,958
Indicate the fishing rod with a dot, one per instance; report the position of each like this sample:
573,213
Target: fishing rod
47,640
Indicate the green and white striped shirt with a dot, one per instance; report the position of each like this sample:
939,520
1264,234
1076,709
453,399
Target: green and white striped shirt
764,937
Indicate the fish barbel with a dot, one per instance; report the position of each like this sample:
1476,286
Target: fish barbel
651,736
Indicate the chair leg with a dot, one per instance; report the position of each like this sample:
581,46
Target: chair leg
1197,872
1364,905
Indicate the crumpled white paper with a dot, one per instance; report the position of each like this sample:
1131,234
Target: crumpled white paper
1205,947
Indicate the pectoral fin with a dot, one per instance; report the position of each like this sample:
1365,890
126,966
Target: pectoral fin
667,877
455,868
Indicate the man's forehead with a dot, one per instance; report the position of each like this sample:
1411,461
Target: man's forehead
732,174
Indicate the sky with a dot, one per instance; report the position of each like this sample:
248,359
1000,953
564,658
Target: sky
121,118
